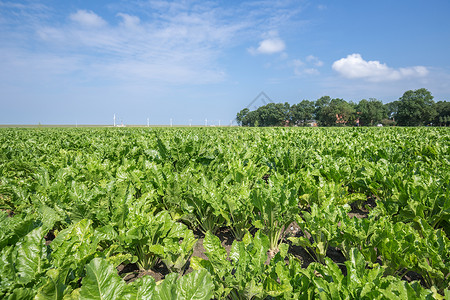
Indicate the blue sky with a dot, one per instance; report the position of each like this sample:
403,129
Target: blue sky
68,62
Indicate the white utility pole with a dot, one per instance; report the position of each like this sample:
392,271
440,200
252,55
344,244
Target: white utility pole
190,122
170,122
206,122
114,120
148,122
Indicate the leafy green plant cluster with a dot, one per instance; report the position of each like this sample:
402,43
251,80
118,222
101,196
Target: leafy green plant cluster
77,203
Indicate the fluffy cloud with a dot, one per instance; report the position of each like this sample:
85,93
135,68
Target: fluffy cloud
354,66
87,18
270,45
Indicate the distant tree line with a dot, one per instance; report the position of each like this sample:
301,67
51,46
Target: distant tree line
414,108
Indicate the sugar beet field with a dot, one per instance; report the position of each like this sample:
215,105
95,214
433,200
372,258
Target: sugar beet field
225,213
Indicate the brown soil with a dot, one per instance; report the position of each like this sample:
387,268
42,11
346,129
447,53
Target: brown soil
292,230
362,210
49,237
266,178
413,276
10,212
298,252
336,255
131,272
199,250
226,237
301,254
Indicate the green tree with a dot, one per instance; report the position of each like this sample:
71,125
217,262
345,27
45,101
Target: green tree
251,119
335,112
302,112
273,114
442,109
240,116
392,109
371,111
320,105
415,108
247,118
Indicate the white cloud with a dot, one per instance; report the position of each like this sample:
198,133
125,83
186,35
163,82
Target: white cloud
150,42
354,66
176,48
311,71
306,71
270,45
314,60
87,18
298,63
307,67
128,20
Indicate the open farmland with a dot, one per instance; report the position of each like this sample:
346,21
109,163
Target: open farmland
225,213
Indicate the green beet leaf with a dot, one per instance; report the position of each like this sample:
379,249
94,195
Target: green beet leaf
197,285
101,281
141,289
54,288
166,290
31,260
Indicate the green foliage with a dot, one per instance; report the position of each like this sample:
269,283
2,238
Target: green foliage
322,225
442,117
336,112
153,237
270,114
102,282
240,117
55,287
243,274
415,108
276,205
302,112
371,112
204,202
360,283
24,263
404,248
75,204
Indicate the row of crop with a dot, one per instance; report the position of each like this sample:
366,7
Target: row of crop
135,233
124,185
82,255
68,176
